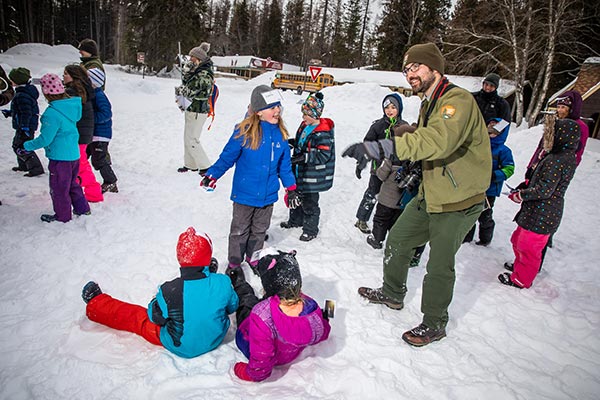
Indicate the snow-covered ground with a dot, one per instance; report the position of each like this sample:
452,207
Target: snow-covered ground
503,343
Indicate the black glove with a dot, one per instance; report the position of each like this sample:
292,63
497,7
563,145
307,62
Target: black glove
357,172
299,159
214,265
6,113
359,153
292,143
292,199
208,183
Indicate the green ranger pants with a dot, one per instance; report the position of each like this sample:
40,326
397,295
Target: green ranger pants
445,233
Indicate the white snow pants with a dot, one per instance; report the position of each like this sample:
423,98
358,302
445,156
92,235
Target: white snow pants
194,156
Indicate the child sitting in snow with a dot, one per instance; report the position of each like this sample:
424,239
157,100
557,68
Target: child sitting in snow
188,315
542,201
274,331
59,136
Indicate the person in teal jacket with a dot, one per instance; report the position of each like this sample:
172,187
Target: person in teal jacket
188,316
59,137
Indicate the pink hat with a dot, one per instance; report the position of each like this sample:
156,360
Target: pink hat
51,84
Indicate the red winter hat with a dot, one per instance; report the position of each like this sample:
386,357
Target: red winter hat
194,250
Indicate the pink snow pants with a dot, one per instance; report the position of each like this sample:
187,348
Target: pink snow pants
527,247
91,188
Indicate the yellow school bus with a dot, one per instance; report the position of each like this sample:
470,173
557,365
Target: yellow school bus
301,82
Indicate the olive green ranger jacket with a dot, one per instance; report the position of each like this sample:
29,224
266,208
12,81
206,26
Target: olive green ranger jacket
454,148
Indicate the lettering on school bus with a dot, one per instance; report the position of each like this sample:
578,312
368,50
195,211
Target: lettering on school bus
301,82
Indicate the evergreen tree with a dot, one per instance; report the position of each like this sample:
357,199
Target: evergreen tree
158,26
293,37
218,37
406,23
239,28
271,44
352,25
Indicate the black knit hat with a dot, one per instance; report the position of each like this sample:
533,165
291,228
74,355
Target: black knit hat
90,46
493,79
19,76
280,275
428,54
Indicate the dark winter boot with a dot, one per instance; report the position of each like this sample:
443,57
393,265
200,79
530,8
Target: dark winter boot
110,187
289,225
422,335
362,226
374,243
509,266
90,290
48,217
504,279
376,296
185,169
305,237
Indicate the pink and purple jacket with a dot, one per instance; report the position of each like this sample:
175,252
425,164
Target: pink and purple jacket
276,338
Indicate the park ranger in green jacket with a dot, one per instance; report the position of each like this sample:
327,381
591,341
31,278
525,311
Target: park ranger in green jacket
451,153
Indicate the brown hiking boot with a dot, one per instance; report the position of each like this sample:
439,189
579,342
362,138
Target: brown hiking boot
422,335
362,226
376,296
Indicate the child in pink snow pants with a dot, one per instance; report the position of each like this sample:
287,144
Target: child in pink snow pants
542,200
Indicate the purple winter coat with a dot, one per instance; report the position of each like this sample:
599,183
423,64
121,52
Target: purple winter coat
276,338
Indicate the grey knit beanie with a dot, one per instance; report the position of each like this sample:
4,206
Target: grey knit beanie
201,52
260,94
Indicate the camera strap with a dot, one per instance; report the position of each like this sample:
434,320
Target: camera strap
443,86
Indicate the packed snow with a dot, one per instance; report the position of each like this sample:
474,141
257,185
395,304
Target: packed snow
502,343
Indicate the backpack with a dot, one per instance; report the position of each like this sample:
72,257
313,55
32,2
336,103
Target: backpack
184,102
212,101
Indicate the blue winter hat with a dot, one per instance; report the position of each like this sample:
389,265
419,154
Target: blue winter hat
394,99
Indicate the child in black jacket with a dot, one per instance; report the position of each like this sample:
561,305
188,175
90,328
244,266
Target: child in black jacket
380,129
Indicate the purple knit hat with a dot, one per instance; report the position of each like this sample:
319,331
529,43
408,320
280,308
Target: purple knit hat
51,84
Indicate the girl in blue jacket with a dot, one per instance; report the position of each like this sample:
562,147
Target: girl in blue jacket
258,147
59,137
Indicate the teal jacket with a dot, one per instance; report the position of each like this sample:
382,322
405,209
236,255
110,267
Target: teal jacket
193,311
59,135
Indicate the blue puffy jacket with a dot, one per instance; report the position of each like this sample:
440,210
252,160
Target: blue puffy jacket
193,311
102,116
24,108
59,135
503,164
257,172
